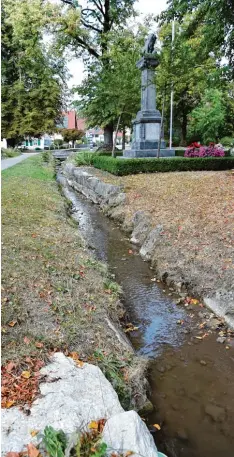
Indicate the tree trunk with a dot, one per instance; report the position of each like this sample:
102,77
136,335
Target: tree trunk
108,137
11,142
123,139
184,130
116,134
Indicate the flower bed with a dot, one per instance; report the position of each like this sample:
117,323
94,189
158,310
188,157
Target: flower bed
196,150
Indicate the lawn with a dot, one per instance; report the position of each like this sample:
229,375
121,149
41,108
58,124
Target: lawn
54,294
197,214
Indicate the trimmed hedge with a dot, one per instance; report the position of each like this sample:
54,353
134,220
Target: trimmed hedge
179,152
109,154
121,167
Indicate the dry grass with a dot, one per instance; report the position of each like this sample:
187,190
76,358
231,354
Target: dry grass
53,292
196,210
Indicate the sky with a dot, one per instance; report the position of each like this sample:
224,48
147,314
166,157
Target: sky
145,7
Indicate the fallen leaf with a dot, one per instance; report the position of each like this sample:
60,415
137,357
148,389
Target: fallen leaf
157,426
93,425
34,235
34,432
32,450
27,340
130,251
26,374
126,454
194,301
12,323
10,403
39,345
10,366
79,363
199,337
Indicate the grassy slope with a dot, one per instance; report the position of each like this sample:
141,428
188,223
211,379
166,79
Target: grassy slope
52,290
197,214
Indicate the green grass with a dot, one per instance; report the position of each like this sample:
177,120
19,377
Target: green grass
30,168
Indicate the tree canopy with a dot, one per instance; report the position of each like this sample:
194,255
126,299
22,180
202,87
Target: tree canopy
216,18
33,76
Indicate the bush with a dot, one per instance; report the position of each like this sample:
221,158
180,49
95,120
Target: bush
196,150
9,152
179,153
227,141
109,154
84,158
121,167
46,156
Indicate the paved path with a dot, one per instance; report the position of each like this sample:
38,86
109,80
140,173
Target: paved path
7,163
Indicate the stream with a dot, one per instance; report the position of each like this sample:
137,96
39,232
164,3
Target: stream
191,376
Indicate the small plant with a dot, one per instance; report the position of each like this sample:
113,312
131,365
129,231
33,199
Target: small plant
54,441
9,152
46,156
112,286
114,370
86,444
85,158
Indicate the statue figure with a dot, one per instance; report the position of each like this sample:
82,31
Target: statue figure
149,44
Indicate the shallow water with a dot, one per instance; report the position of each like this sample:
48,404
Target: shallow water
192,380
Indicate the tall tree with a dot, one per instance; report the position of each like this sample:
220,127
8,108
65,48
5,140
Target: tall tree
216,17
189,68
111,94
32,77
207,120
89,36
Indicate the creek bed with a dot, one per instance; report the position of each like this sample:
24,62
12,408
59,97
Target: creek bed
192,379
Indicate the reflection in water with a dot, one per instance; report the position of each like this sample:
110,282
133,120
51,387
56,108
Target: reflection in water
145,300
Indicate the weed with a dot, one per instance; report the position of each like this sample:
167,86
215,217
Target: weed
112,286
87,444
114,370
85,158
54,441
46,156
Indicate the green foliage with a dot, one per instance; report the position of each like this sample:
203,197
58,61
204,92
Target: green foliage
84,158
54,441
46,156
113,91
113,369
217,17
190,69
227,141
207,120
72,134
122,167
179,153
9,152
108,154
58,142
33,85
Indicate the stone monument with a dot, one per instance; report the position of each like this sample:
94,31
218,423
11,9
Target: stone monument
147,125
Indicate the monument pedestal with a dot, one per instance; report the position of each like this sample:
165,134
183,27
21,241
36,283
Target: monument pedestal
147,125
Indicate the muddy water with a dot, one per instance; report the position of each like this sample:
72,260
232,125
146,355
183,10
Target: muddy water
192,379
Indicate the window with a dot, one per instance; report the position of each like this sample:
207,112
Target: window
39,142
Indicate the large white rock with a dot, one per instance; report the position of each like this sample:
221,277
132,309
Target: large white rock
71,398
127,432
